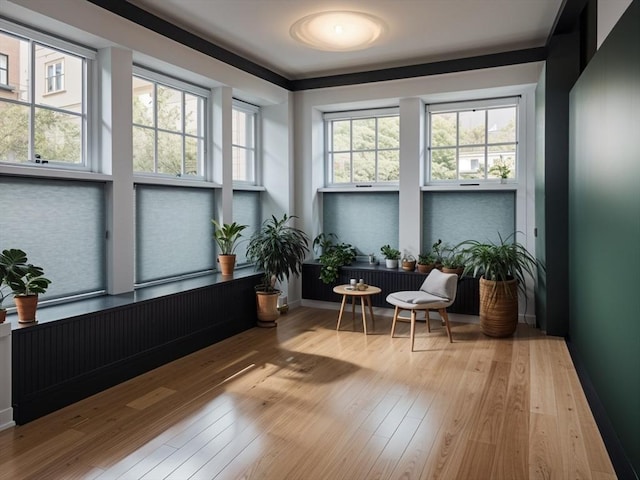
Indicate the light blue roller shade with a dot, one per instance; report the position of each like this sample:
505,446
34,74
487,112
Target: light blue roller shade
246,211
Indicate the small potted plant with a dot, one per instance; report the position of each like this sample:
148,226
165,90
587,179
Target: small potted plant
426,262
501,169
452,261
226,236
334,255
279,250
25,280
391,256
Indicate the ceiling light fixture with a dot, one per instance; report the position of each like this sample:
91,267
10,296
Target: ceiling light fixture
340,31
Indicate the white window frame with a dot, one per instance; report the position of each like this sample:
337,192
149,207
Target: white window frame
88,57
328,118
5,70
160,79
254,149
464,106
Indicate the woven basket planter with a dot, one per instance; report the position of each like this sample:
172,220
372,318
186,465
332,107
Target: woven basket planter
498,307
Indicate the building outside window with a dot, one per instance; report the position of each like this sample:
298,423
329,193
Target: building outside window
4,69
35,126
243,142
470,141
363,147
169,125
55,77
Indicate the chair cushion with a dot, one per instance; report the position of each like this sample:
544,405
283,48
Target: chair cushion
415,300
439,284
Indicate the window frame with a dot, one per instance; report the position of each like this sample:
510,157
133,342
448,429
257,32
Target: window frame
255,111
376,113
167,81
88,57
4,70
57,78
466,106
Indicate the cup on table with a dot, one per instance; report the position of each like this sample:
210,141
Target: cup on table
353,283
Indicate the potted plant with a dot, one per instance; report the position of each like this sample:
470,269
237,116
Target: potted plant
503,267
391,256
501,169
452,261
426,262
409,263
25,280
333,256
226,236
277,249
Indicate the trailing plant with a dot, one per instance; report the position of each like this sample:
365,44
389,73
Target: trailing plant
502,261
277,249
389,252
334,256
20,276
227,236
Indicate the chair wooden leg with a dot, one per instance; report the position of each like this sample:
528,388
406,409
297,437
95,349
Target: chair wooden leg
445,319
426,319
413,328
395,319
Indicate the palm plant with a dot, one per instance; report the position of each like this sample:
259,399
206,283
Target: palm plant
227,235
277,249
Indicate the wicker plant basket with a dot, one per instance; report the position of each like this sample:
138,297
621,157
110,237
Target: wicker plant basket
498,307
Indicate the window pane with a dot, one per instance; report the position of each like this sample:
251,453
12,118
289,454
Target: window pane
471,162
501,125
443,164
455,217
389,132
169,109
364,166
502,155
143,103
364,134
192,151
193,115
64,216
443,129
14,131
58,136
173,232
58,79
472,127
388,165
367,220
239,129
341,135
17,54
143,144
341,168
169,153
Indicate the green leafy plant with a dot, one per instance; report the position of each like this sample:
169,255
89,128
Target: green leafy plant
334,255
426,258
436,251
452,257
227,236
389,252
20,276
500,261
277,249
500,168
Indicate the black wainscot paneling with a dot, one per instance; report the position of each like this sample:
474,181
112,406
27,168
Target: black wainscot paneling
57,363
389,280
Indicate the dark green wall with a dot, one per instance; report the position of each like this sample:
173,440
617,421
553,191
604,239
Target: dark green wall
604,226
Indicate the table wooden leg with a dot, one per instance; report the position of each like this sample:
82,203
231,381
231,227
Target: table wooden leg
344,300
364,314
373,319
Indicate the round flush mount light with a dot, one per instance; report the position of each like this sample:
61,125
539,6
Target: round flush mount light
340,31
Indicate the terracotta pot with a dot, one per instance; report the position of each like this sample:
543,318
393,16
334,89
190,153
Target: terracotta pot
267,308
458,271
425,267
26,306
498,307
227,264
3,315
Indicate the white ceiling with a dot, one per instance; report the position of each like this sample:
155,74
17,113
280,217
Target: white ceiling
420,31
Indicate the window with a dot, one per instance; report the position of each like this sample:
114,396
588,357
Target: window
4,69
243,142
169,125
472,142
363,147
34,125
55,77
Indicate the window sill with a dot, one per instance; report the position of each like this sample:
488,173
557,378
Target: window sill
470,186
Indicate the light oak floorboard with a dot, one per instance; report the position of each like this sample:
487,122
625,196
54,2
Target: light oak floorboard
302,401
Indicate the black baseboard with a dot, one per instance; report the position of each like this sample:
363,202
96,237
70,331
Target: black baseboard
621,463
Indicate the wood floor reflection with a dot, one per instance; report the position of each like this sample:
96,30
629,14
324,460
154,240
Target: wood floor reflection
303,401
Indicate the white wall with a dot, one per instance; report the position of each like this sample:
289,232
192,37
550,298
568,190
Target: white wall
609,12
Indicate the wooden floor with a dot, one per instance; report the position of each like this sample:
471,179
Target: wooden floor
306,402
